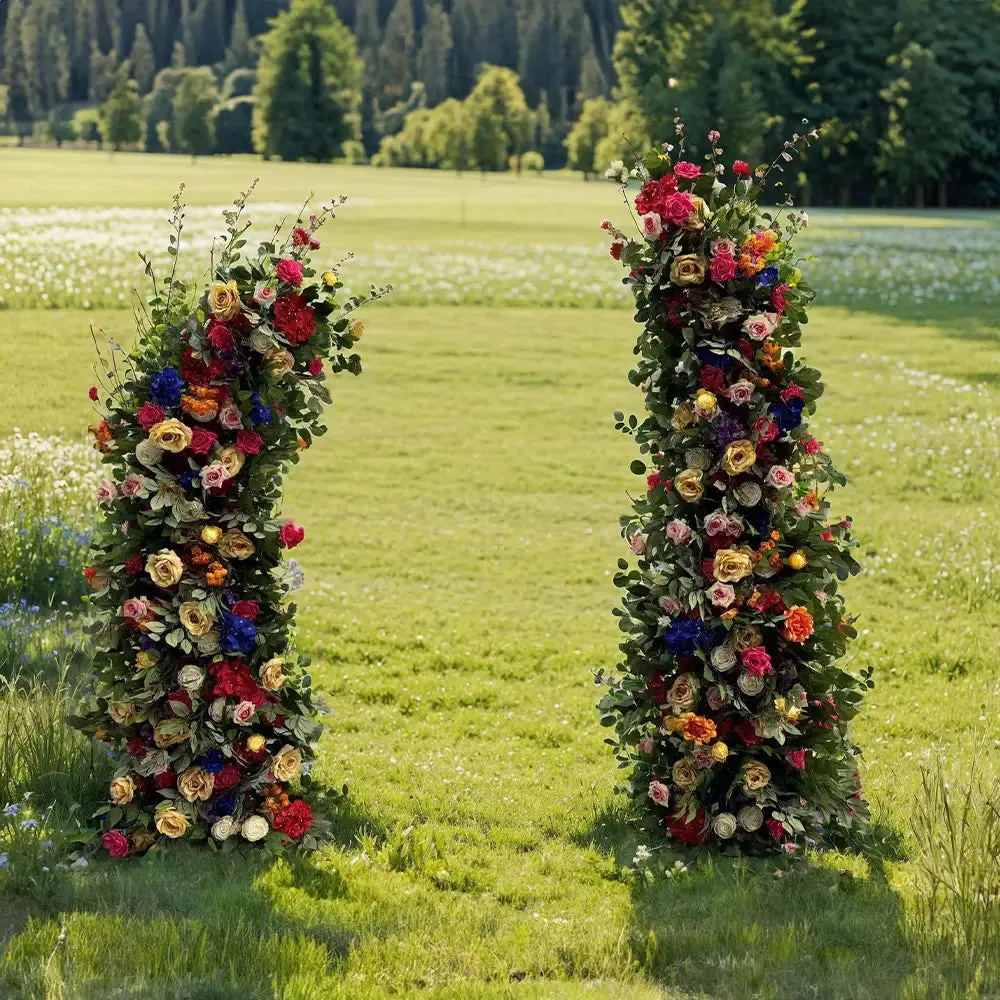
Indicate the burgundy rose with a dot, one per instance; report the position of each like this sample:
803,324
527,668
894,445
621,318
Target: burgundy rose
712,378
201,441
249,442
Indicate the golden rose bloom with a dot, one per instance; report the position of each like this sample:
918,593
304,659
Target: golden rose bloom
171,822
256,743
740,457
122,712
701,214
720,752
685,773
798,624
142,840
194,784
798,560
279,361
122,790
146,658
272,674
791,712
688,269
683,416
224,300
195,619
236,545
696,728
232,459
287,764
689,485
169,732
165,568
746,637
705,402
356,327
329,278
211,534
731,565
683,692
755,776
170,435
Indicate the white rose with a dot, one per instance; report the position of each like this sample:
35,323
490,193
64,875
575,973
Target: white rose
148,454
223,829
254,828
723,658
724,826
216,709
190,677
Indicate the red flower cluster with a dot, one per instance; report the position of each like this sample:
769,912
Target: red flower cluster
654,194
246,609
291,535
693,831
294,819
227,777
195,370
232,679
295,318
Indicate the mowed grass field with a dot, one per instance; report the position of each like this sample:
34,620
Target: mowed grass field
462,526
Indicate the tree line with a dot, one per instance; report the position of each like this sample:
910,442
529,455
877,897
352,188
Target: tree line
908,91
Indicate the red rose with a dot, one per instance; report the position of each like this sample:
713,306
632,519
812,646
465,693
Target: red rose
689,171
227,777
708,570
316,366
654,479
246,609
289,271
756,661
134,565
616,249
135,746
778,299
776,829
93,393
747,733
116,844
693,831
679,207
201,441
294,819
149,415
741,168
827,535
291,535
765,429
196,371
745,348
249,442
792,392
796,759
166,779
811,446
722,267
300,237
179,699
219,336
711,378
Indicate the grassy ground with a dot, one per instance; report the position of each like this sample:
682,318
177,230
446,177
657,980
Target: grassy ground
462,525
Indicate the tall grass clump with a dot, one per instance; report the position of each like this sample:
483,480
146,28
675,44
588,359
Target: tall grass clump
955,917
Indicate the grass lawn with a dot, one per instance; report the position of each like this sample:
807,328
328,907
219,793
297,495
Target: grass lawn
462,525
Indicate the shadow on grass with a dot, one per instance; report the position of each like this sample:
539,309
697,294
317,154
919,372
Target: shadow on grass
827,926
187,925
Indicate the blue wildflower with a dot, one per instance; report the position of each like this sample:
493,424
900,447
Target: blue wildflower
12,809
238,635
213,762
260,414
4,861
685,636
768,276
29,824
166,388
788,415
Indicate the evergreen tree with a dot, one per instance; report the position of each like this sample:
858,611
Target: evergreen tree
238,53
369,38
466,33
158,110
396,55
306,93
212,31
233,125
18,103
83,34
102,73
194,104
434,54
142,60
191,31
121,115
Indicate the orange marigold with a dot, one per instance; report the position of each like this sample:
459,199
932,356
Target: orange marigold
771,356
798,624
696,728
216,575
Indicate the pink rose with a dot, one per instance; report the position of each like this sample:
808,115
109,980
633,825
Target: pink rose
722,268
765,429
289,271
689,171
671,605
756,661
735,525
230,418
740,393
796,758
715,697
214,475
646,744
651,226
638,544
714,135
779,477
722,595
810,446
723,248
106,492
659,792
149,415
679,207
132,485
116,843
678,532
135,608
760,326
792,392
264,294
803,509
717,523
244,712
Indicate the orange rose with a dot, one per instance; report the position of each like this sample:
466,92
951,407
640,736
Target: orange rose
696,728
798,624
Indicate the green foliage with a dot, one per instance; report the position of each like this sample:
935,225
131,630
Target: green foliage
233,125
626,134
121,115
239,83
502,119
533,162
87,125
434,53
306,92
586,135
142,60
193,119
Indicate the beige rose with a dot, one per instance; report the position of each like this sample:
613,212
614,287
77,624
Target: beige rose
170,732
740,457
287,764
211,534
750,818
195,619
171,822
146,658
272,674
689,485
122,790
254,828
685,773
724,826
279,361
224,300
683,416
224,828
746,637
190,677
236,545
123,712
688,269
170,435
356,327
683,692
699,216
232,459
196,784
142,839
731,565
755,776
165,568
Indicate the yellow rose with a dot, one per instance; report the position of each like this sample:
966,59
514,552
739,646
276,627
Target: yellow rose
196,784
210,534
685,773
165,568
688,269
731,565
142,840
171,822
720,752
356,327
122,790
224,300
169,732
146,658
256,743
798,560
236,545
122,712
683,416
232,459
272,674
705,403
689,485
279,361
755,776
287,764
740,457
195,619
329,278
170,435
699,216
791,712
746,637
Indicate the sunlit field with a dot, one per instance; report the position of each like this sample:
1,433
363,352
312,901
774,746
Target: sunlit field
462,519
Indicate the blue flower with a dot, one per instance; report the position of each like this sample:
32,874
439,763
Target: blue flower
788,415
213,762
166,388
685,636
4,860
189,480
238,635
768,276
260,414
12,809
29,824
223,805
